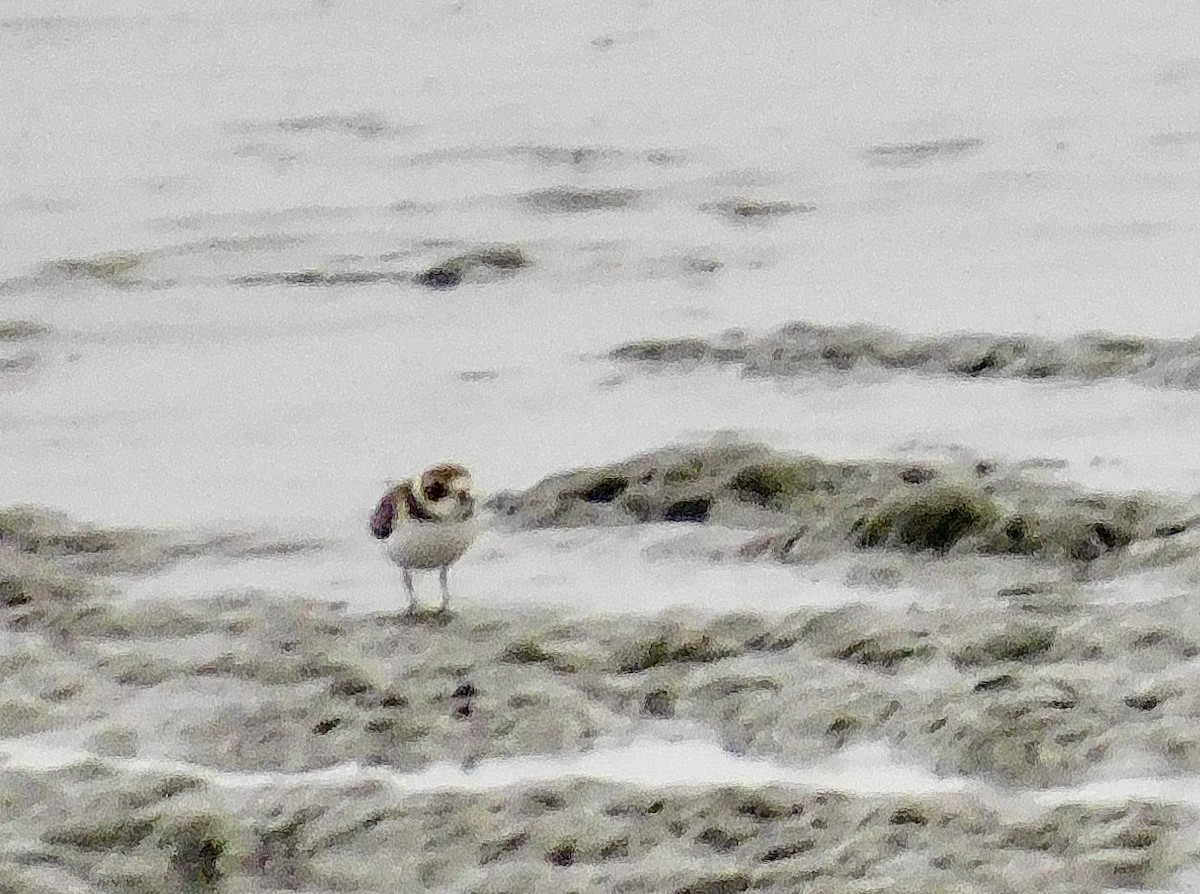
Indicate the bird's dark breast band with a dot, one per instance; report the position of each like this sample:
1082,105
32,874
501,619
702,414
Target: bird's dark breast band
383,520
415,509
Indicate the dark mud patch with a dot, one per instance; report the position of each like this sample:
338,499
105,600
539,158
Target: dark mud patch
631,262
591,158
804,348
813,507
21,363
18,334
142,832
482,264
577,200
364,126
934,519
476,265
110,269
278,139
317,277
903,155
22,330
116,270
700,264
749,209
32,531
731,347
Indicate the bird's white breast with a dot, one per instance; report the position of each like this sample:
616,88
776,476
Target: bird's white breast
416,544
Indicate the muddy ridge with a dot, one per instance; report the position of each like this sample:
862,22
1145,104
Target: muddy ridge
804,507
804,348
129,831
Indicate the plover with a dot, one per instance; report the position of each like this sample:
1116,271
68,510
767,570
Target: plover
427,522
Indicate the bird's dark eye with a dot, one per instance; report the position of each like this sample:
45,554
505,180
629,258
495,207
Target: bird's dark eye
436,491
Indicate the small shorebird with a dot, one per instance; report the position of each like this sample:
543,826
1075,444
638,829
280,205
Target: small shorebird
427,522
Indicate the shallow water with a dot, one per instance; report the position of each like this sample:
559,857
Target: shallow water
555,568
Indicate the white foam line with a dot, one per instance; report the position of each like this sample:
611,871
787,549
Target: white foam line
863,770
696,764
1184,790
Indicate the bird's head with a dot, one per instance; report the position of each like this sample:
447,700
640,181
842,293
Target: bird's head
445,491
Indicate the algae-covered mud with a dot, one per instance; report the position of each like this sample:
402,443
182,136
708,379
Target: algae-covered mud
193,735
806,507
20,330
94,827
16,339
805,348
475,265
432,264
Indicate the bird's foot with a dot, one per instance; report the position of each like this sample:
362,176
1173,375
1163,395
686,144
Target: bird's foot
418,615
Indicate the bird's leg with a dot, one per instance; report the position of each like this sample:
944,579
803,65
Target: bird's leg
412,593
444,576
